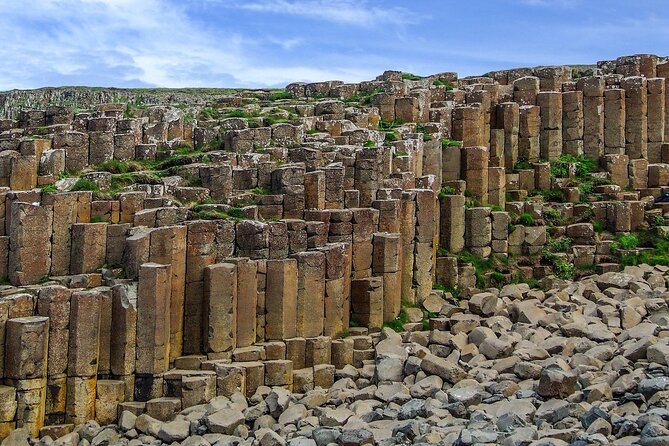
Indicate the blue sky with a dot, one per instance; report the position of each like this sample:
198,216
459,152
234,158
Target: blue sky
255,43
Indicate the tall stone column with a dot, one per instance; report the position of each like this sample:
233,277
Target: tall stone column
614,121
153,329
593,116
27,341
572,122
29,243
508,118
310,293
220,308
281,299
168,246
83,356
656,118
528,135
475,171
247,299
386,264
636,119
550,103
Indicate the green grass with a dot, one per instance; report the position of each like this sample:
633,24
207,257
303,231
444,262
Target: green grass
209,113
447,143
497,278
236,213
439,83
237,113
389,125
550,195
481,266
397,324
553,217
96,219
261,191
392,136
117,166
271,120
522,165
312,132
84,184
561,268
446,190
280,94
369,144
625,242
49,188
562,244
420,128
526,219
584,166
598,226
208,212
657,220
410,77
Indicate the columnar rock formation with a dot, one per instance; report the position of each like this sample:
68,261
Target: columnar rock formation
159,258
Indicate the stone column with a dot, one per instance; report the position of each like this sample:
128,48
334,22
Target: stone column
334,186
497,186
220,307
124,340
89,247
23,173
367,302
364,223
247,299
550,103
168,246
26,353
656,117
475,171
528,134
84,353
200,252
314,190
636,120
386,264
614,121
389,215
29,243
336,305
153,329
452,223
663,72
593,116
281,299
367,175
468,124
424,258
432,152
508,118
478,231
310,293
407,236
572,122
525,90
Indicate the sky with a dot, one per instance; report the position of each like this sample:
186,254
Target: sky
269,43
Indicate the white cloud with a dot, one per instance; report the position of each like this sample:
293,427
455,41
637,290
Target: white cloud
148,42
349,12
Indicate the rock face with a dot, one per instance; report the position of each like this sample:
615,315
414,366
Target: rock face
339,263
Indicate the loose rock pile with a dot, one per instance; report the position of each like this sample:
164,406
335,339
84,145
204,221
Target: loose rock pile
583,363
